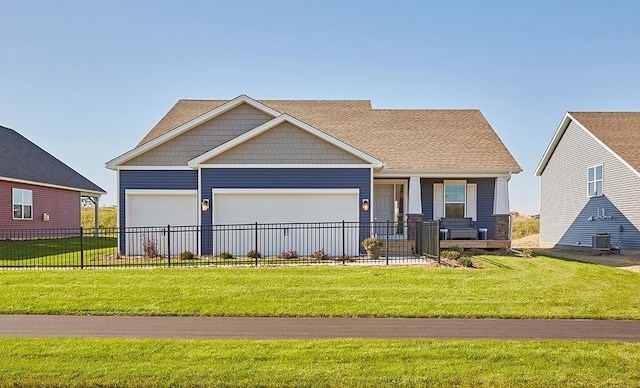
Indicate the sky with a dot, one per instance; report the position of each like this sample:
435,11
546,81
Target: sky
86,80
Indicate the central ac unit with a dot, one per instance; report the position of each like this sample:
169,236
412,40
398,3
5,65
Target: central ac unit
601,241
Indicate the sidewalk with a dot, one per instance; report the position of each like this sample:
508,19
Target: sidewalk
313,328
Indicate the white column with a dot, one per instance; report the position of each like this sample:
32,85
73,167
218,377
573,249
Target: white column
415,196
501,196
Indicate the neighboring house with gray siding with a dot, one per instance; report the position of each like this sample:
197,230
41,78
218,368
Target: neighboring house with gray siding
280,161
590,180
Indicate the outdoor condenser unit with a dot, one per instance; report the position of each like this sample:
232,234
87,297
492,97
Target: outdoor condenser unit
601,241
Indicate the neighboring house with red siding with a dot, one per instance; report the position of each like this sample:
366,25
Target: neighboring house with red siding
38,191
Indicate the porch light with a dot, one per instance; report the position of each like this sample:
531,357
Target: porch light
205,205
365,204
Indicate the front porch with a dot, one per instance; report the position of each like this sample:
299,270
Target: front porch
405,247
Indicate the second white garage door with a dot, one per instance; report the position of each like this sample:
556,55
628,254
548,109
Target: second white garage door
285,206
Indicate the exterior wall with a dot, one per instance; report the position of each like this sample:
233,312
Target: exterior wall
63,207
285,144
227,126
484,197
565,206
287,178
153,180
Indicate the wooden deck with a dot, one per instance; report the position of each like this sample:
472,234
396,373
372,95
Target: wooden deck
479,244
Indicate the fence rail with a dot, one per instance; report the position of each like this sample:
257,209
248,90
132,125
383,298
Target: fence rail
255,244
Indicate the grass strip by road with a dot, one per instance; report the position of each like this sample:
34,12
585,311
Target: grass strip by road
511,287
185,363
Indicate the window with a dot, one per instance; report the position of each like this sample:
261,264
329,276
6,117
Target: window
594,176
22,204
454,199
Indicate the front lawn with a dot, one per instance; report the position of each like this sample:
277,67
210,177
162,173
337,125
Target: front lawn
508,287
370,363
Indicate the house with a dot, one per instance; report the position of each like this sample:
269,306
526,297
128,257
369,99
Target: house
38,191
590,181
281,161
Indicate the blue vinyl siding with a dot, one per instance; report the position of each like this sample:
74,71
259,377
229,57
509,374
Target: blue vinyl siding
152,180
285,178
485,194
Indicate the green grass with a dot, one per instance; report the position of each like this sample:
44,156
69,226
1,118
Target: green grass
509,287
523,227
326,363
54,252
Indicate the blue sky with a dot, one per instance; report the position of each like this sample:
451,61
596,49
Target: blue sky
87,80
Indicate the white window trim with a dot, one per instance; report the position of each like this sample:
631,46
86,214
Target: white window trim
444,194
22,204
595,180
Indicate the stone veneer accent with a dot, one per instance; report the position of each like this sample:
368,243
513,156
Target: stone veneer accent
501,226
411,221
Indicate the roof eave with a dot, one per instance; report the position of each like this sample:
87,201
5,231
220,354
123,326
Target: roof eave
554,143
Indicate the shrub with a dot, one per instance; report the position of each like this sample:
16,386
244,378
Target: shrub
187,255
149,246
371,242
457,249
226,255
450,255
289,255
465,262
319,255
253,254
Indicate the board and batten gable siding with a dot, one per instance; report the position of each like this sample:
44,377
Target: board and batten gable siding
207,136
286,178
63,207
285,144
484,198
153,180
565,206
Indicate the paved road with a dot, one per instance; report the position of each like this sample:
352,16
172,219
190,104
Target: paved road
313,328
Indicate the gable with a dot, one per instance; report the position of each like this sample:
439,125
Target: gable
285,144
198,140
24,161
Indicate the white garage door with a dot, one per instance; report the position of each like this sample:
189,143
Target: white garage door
150,212
326,208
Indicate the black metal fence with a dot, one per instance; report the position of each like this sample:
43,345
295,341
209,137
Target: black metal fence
214,245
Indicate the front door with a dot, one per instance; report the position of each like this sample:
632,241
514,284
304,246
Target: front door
384,209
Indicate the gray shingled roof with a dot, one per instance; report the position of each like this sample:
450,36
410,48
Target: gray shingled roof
22,159
401,138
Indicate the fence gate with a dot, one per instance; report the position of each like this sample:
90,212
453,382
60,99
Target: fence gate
428,239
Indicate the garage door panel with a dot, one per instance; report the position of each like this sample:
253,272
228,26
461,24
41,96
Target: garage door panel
148,215
287,217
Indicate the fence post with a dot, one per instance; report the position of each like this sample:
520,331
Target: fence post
386,253
343,243
256,243
81,247
169,244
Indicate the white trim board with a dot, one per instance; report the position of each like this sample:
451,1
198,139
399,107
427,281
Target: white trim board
195,162
201,166
33,183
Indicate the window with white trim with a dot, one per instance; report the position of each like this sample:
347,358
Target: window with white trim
22,204
594,181
454,199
